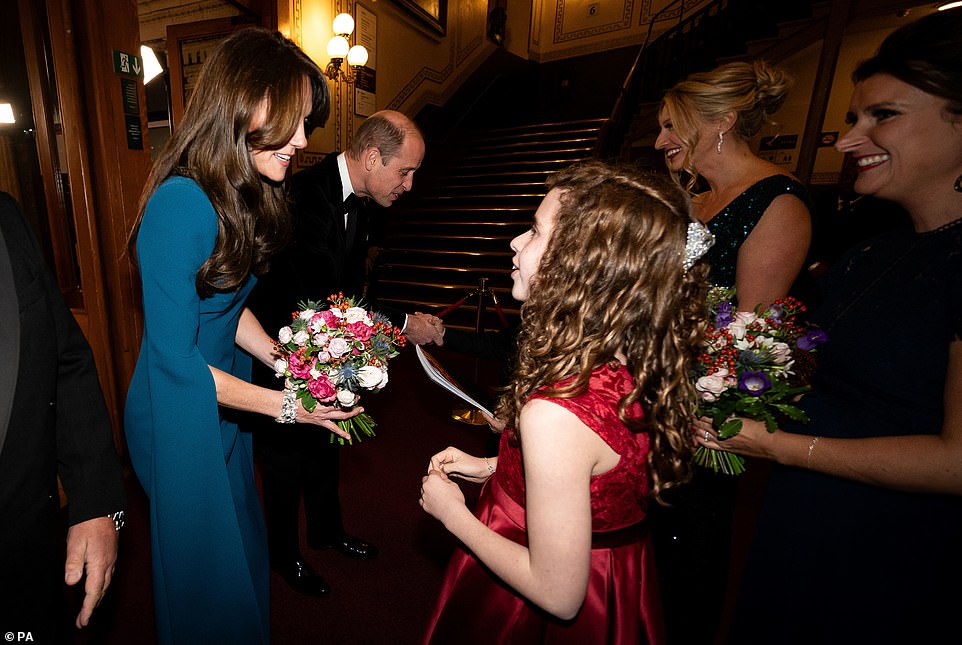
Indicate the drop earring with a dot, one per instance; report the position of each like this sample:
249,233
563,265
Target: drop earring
721,140
958,184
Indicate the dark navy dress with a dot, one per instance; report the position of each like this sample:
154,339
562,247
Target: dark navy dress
835,561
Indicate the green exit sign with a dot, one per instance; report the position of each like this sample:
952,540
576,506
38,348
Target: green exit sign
125,63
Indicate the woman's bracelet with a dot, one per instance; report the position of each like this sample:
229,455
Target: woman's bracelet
288,408
811,449
488,464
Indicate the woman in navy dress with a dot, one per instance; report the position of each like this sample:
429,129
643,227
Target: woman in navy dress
858,539
212,213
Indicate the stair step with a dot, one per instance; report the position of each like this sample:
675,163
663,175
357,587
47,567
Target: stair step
456,230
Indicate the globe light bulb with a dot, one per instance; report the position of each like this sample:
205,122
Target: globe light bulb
337,47
357,56
343,24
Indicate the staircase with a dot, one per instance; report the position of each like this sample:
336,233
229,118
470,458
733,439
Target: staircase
454,229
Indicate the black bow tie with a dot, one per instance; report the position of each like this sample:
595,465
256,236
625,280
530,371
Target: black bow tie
349,204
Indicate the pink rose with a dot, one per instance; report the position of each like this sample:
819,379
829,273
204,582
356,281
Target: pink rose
298,367
711,387
360,330
321,387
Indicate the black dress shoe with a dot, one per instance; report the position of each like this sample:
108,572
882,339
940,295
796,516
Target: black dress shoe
302,578
348,545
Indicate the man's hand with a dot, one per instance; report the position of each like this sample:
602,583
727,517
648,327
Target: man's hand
423,329
91,546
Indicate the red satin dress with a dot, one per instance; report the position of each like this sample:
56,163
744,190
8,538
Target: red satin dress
622,604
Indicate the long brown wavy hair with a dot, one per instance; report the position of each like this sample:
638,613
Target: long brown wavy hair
212,145
611,278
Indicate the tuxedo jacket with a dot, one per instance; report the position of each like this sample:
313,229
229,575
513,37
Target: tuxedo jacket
53,419
323,257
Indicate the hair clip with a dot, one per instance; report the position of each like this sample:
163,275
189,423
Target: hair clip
697,244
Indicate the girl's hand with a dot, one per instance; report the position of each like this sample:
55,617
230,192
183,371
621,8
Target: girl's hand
494,423
440,497
452,462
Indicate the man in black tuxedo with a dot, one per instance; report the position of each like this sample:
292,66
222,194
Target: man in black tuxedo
328,254
53,420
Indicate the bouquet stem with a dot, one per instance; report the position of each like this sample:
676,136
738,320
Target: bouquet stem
720,461
356,426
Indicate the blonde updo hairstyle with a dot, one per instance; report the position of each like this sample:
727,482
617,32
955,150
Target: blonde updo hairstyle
754,91
612,279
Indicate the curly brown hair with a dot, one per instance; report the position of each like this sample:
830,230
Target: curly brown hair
611,279
213,143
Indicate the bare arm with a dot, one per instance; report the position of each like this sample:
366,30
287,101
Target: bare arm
917,463
560,455
773,254
252,338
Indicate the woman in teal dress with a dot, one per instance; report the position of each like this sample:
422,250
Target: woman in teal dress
212,213
760,217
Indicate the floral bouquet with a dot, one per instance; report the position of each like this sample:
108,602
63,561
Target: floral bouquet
755,365
338,351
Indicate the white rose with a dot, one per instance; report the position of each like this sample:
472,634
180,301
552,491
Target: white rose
346,398
285,335
355,314
307,314
280,367
369,377
337,347
737,329
781,353
301,338
383,381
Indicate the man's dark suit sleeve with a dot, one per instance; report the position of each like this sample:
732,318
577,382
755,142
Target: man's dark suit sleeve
88,465
87,461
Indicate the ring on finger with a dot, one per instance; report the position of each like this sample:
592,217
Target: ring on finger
707,436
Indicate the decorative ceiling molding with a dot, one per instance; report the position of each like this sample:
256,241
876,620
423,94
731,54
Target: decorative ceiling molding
560,35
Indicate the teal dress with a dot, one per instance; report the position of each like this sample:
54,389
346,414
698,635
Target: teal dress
208,542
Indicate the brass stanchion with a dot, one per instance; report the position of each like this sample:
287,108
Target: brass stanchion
473,416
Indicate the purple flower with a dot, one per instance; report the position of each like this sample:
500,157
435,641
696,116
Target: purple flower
776,313
755,383
723,315
812,339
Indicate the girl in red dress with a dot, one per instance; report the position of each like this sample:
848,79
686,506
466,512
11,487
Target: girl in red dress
597,414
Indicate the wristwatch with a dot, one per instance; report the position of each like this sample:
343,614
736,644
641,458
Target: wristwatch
119,520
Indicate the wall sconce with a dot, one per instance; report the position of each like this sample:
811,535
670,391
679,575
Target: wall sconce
152,66
339,48
6,113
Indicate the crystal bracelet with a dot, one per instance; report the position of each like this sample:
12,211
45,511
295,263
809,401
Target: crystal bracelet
288,408
488,464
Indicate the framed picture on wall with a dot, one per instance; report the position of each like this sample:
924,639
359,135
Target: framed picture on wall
188,45
433,13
